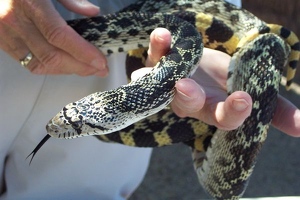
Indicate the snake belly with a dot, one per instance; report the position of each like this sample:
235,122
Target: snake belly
136,114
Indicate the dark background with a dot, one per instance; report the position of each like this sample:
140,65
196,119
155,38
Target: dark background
277,172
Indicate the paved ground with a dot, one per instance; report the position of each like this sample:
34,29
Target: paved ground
277,173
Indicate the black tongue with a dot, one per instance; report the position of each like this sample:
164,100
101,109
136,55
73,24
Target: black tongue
35,150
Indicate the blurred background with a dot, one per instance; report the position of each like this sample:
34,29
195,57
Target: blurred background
277,172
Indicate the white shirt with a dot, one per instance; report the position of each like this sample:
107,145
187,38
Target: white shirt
84,168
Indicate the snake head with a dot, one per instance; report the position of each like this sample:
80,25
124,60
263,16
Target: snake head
85,117
69,122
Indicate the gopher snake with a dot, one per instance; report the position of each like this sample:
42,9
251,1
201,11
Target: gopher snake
223,160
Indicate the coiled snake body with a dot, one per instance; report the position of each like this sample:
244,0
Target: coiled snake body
136,114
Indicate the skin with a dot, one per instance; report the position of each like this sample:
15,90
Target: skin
204,97
35,26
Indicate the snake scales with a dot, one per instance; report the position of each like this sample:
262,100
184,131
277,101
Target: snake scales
137,114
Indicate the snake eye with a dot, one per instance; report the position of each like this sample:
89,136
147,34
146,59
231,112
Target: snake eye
77,125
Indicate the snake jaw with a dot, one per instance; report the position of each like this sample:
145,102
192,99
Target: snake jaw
67,131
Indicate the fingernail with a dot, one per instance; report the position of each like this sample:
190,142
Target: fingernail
184,97
240,104
98,64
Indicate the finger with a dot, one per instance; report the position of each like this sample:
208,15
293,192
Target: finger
82,7
189,98
287,117
231,113
12,44
60,35
214,64
49,59
160,41
192,101
10,51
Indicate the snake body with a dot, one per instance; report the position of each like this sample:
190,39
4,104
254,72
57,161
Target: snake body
136,114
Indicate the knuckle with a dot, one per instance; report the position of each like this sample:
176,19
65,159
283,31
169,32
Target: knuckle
51,59
57,35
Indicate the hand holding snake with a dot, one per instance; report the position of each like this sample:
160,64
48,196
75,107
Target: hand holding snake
287,115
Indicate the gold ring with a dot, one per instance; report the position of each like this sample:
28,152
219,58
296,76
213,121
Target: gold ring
25,61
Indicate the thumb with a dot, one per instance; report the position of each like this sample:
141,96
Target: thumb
231,113
160,41
82,7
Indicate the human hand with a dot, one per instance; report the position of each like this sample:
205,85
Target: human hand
205,98
35,26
